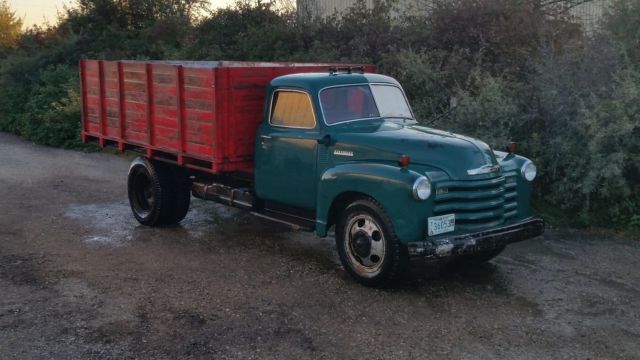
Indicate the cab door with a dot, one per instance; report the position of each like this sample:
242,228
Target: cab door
286,151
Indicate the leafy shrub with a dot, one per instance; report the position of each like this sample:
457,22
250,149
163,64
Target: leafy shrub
611,185
246,32
430,79
52,109
486,110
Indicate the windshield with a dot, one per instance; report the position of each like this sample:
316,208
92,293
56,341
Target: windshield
357,102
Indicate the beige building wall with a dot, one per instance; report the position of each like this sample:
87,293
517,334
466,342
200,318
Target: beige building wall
588,13
323,8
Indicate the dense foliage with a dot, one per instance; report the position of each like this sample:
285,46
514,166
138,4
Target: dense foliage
521,70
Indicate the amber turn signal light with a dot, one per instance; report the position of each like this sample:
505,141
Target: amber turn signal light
404,161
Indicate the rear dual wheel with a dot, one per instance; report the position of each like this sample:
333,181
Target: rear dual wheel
159,194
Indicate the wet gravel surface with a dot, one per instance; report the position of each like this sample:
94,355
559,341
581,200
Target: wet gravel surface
80,279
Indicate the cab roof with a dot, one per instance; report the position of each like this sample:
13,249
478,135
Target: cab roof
315,82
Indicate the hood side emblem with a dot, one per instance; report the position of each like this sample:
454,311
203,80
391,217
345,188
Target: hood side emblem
485,169
343,153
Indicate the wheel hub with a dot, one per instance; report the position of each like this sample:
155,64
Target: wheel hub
143,192
362,244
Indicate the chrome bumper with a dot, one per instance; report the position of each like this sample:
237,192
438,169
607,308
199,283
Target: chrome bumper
478,241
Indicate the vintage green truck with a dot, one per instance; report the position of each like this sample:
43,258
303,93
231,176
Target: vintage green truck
338,148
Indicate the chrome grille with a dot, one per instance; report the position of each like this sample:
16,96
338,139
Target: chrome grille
478,204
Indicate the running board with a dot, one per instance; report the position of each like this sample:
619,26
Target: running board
281,221
237,197
244,199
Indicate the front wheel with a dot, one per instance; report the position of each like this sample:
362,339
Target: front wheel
368,247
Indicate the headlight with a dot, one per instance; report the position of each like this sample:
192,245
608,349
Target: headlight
422,188
528,171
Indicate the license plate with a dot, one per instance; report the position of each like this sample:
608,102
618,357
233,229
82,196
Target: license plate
441,224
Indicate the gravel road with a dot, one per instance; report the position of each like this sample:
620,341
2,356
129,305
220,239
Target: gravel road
80,279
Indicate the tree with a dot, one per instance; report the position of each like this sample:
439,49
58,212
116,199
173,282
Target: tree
10,26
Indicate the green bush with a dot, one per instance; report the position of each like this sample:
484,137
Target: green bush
52,110
612,183
430,79
487,110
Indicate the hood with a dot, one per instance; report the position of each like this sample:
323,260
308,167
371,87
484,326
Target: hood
386,141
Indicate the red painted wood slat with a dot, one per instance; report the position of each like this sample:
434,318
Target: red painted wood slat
103,105
180,111
149,73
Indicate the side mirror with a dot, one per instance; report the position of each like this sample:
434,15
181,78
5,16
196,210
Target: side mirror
325,140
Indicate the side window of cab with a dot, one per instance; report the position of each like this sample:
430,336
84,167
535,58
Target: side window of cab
293,109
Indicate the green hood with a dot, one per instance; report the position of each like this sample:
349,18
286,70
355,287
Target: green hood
384,141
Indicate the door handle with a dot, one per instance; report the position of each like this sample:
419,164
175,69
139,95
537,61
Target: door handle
265,141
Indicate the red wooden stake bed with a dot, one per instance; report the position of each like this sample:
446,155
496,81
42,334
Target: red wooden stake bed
199,114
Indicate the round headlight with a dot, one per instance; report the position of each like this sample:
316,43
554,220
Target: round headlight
528,171
422,188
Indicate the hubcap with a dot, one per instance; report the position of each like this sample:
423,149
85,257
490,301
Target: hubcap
364,245
143,192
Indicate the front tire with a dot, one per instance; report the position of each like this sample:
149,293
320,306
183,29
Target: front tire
367,244
158,194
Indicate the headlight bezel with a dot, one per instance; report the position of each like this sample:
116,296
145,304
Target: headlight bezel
418,192
525,171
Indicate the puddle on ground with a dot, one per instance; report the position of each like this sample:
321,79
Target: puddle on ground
112,224
208,225
101,240
107,221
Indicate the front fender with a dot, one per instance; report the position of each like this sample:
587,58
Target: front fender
390,186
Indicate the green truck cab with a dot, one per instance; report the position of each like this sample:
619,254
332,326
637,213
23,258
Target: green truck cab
347,147
342,150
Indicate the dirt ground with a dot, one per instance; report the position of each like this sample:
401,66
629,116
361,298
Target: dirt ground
80,279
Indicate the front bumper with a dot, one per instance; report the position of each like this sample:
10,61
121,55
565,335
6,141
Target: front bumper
478,241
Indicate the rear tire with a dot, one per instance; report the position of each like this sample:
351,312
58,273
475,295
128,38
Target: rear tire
368,246
158,194
180,195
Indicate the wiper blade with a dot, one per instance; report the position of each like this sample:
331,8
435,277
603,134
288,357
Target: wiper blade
403,118
399,117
